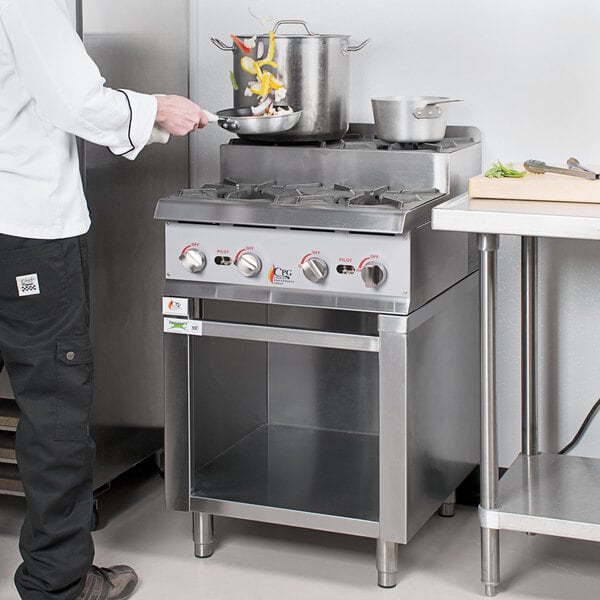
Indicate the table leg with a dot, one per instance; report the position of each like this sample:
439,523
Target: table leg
529,421
490,538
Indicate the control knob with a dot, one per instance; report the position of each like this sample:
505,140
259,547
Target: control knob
373,274
193,260
248,264
315,269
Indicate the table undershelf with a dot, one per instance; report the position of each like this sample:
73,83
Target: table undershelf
549,494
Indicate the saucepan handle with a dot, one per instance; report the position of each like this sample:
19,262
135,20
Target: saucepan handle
431,110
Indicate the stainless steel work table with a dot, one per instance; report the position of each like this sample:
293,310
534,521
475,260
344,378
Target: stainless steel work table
541,493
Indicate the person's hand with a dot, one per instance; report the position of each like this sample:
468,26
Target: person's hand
178,115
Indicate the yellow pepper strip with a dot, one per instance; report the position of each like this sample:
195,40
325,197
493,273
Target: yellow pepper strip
270,53
265,84
249,65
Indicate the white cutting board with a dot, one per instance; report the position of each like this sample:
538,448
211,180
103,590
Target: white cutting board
548,187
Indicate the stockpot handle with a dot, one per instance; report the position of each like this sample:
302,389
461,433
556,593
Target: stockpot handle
355,48
431,110
220,45
294,22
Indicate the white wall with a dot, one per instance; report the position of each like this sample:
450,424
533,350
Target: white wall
529,71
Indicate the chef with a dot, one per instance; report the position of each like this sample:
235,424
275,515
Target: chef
50,92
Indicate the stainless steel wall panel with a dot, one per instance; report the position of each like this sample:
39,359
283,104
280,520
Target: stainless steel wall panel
140,45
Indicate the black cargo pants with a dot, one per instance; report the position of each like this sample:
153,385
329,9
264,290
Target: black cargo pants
45,347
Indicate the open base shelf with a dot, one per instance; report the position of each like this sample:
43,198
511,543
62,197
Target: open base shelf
281,468
549,494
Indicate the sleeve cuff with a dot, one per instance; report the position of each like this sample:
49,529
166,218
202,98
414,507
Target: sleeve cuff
142,109
158,136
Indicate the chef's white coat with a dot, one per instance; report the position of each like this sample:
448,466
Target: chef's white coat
50,92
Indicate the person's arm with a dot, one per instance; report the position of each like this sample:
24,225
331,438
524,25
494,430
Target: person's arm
67,87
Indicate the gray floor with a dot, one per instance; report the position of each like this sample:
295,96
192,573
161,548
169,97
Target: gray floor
258,561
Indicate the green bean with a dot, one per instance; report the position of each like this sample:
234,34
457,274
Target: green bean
500,170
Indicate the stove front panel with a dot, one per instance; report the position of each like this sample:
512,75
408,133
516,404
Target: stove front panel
283,253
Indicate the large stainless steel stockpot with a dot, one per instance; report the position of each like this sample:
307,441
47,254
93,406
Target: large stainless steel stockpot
315,70
410,118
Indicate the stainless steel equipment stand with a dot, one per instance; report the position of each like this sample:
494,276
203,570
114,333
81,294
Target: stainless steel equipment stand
537,493
398,519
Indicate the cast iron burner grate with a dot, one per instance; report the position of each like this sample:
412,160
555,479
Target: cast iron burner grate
312,195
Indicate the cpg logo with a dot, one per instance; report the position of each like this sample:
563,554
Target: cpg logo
175,306
279,275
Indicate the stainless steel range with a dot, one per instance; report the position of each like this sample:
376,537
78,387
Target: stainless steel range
321,341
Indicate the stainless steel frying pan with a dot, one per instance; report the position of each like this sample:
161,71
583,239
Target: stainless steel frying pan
242,122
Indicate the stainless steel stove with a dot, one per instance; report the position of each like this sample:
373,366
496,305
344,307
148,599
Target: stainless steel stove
321,340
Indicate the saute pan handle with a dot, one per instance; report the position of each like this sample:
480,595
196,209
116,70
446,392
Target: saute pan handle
220,45
224,122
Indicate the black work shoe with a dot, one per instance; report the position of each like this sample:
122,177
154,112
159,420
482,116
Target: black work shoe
109,583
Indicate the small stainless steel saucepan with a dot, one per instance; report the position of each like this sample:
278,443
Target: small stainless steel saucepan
244,123
410,118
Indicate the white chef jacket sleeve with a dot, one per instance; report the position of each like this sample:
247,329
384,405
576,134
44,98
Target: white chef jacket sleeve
66,84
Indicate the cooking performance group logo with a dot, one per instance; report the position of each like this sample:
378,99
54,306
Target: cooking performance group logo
279,275
175,306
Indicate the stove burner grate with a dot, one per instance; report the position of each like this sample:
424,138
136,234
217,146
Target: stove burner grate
312,195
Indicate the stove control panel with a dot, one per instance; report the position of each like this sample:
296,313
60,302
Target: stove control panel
317,261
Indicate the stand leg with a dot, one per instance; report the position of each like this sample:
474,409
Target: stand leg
448,507
490,560
529,420
203,532
490,538
387,563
